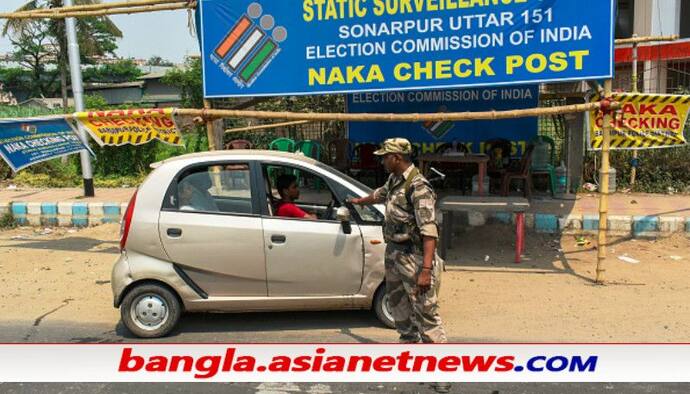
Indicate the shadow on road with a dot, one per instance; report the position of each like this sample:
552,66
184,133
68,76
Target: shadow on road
280,323
70,244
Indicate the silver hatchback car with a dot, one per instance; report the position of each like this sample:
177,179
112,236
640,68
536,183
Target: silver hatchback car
200,235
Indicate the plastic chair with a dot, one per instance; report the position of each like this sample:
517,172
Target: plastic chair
499,151
238,144
313,149
543,162
282,145
521,173
310,148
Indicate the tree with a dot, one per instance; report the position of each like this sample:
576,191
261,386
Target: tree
96,35
120,71
32,50
159,61
188,79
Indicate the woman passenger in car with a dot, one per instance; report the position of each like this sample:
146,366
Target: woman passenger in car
194,195
289,192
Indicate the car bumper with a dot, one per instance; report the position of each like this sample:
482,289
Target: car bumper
120,278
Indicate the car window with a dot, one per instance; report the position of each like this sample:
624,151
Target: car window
223,188
368,214
315,195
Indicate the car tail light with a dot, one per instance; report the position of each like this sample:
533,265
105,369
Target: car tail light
127,221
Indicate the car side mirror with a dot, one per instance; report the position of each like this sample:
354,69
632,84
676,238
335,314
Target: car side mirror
342,214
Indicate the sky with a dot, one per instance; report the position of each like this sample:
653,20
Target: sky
163,34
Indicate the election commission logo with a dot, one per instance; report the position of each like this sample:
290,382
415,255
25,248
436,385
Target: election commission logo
250,46
29,128
438,129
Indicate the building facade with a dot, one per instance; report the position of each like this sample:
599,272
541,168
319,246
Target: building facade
664,67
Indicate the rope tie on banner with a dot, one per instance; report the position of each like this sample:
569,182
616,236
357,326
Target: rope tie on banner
191,20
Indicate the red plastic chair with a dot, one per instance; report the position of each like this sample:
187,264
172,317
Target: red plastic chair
521,173
238,144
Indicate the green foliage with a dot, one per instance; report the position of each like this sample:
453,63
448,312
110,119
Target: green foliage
188,79
7,221
121,71
52,173
328,103
31,49
39,43
14,77
94,102
159,61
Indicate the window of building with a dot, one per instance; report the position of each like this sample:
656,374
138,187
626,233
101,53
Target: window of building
625,20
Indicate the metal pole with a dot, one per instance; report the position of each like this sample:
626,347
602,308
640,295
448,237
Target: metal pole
633,170
78,92
604,192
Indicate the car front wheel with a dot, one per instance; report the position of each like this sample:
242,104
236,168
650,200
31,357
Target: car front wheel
381,308
150,311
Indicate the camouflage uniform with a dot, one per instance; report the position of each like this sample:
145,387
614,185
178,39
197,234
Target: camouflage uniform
416,315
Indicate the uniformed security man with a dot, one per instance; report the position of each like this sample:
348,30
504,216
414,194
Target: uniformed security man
413,269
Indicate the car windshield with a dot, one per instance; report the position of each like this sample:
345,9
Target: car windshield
366,189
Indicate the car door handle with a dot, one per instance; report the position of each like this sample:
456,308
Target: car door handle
278,239
174,232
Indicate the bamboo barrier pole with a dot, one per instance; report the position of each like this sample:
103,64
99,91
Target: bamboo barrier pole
92,7
633,170
119,11
267,126
640,40
416,117
604,192
206,114
209,127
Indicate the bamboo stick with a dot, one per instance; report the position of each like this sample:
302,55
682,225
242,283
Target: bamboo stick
118,11
267,126
364,117
209,127
367,117
94,7
633,169
639,40
604,192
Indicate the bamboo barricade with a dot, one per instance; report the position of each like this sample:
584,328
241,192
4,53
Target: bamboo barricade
267,126
640,40
604,192
370,117
210,131
92,10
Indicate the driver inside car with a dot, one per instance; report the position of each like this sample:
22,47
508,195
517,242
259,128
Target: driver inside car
289,193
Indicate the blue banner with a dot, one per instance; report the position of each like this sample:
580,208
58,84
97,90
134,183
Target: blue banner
429,135
24,142
295,47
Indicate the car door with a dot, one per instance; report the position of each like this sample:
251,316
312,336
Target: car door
211,229
309,257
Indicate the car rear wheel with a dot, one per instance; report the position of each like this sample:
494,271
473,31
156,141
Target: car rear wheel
381,308
150,311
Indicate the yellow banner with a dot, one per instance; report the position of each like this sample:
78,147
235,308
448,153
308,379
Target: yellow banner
132,126
645,121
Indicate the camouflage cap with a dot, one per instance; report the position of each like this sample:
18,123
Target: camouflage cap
395,145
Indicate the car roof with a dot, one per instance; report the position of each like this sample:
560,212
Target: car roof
235,153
